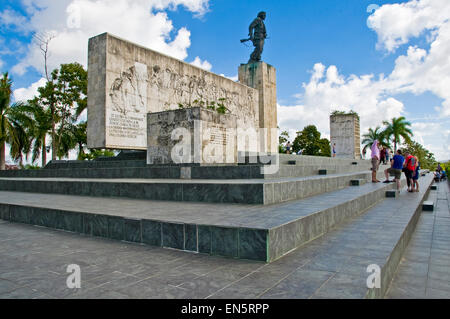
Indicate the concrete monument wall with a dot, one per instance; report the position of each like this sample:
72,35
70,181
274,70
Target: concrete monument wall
345,132
127,81
193,135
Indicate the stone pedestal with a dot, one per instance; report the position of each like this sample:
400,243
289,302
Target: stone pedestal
262,76
345,133
191,136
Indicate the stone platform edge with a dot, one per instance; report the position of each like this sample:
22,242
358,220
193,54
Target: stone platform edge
390,267
242,243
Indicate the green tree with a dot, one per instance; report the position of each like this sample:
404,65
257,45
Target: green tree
14,124
426,158
284,137
65,97
42,125
73,136
309,140
372,135
94,154
397,129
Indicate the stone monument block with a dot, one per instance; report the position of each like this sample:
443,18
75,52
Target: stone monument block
127,81
346,134
262,77
192,135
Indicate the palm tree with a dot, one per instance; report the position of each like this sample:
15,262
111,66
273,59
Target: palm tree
373,135
72,136
398,128
14,124
23,127
80,136
42,126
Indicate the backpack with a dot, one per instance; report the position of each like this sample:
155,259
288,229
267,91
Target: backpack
411,164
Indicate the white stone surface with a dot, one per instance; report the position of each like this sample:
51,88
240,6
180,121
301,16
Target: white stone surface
345,132
127,81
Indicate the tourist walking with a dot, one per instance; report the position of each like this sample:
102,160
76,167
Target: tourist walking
288,148
410,168
396,169
388,155
334,150
375,161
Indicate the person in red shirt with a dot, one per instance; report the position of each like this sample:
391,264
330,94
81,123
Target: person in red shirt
410,169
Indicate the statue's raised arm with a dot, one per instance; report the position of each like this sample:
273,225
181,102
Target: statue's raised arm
258,34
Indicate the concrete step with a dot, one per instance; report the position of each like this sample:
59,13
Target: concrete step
338,265
424,271
176,172
250,191
256,232
285,159
96,164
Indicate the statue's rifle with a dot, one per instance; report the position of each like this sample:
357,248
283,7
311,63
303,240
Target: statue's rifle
249,39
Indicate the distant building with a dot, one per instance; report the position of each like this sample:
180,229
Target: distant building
345,132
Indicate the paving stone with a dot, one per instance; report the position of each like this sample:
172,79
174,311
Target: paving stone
7,286
23,293
299,285
343,286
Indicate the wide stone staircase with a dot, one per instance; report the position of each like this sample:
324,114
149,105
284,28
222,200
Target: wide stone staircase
231,211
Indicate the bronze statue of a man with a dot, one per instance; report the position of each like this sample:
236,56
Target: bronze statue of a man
258,34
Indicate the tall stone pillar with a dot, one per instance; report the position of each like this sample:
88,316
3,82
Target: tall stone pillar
262,76
345,133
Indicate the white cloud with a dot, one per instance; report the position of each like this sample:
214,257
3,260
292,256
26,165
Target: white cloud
420,70
234,78
397,23
202,64
436,130
417,71
73,22
328,90
12,19
25,94
1,63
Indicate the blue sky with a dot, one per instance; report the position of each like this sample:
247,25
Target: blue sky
327,54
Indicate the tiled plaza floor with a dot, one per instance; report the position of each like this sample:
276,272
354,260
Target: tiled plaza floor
425,269
33,263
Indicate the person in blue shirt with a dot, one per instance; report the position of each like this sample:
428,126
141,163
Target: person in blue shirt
396,169
416,178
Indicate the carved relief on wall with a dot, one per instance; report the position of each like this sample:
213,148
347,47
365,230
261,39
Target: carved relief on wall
129,92
142,89
169,89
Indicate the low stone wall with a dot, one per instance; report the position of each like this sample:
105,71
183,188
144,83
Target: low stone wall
193,135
